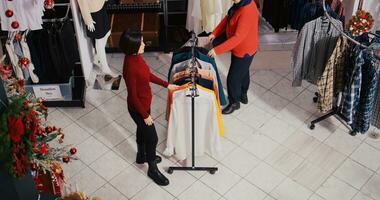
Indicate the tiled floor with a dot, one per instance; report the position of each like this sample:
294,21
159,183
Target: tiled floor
268,151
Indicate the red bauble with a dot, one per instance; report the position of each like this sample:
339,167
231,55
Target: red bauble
40,132
49,4
18,37
48,129
15,25
66,159
24,62
73,151
9,13
34,167
7,67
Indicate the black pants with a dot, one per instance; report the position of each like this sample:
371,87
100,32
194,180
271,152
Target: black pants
238,77
146,136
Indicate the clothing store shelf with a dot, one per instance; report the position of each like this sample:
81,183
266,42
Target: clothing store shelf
78,91
136,7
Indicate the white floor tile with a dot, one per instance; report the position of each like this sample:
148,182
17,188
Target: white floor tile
112,135
333,189
58,119
198,191
322,130
305,101
245,190
158,106
107,191
361,196
109,165
371,188
301,143
343,142
127,122
373,142
284,160
227,148
236,130
162,132
265,177
240,161
98,97
270,102
72,168
309,175
284,89
201,161
114,108
74,134
94,121
222,180
76,113
127,149
316,197
353,173
266,78
87,181
269,198
326,158
90,150
254,116
367,156
130,181
153,192
179,182
290,190
277,129
294,115
260,145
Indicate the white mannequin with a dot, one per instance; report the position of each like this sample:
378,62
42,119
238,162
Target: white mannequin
87,7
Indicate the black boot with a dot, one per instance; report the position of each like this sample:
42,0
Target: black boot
244,98
231,108
141,157
155,174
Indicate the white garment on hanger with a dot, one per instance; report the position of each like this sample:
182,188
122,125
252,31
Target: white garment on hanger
28,13
206,131
194,16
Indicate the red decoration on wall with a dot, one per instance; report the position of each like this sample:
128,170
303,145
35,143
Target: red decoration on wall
18,37
15,25
49,4
9,13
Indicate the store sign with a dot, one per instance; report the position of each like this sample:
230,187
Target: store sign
48,92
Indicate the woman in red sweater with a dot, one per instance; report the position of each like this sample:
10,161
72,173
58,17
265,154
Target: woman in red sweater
238,33
138,77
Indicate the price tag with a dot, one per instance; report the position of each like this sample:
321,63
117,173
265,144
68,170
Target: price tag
48,92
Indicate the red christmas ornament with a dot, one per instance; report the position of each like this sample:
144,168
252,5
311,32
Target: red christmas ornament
54,128
40,132
18,37
24,62
48,129
15,24
7,67
66,159
49,4
9,13
34,167
73,151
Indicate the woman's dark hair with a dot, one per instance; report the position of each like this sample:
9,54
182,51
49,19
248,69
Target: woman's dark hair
130,42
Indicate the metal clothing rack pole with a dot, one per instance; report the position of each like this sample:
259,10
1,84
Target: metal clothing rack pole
336,110
193,94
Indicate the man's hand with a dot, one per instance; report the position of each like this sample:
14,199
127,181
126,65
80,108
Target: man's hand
148,121
212,53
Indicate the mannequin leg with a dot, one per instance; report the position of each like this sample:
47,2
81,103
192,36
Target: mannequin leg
100,47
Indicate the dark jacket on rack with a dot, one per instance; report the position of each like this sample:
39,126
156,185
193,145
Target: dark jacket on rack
277,13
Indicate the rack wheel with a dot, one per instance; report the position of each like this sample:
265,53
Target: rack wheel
315,99
353,133
170,171
312,126
316,94
212,171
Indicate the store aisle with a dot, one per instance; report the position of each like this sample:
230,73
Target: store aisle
268,151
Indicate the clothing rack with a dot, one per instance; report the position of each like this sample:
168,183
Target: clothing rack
336,109
193,94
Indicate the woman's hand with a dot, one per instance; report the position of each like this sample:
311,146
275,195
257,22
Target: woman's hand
211,38
148,121
172,87
211,53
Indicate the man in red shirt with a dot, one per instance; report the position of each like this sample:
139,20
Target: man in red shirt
238,33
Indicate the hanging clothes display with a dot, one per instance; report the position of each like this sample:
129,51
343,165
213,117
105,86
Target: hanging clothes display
277,13
313,48
185,54
376,108
21,15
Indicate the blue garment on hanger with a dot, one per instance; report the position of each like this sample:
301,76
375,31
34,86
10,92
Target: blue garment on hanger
185,55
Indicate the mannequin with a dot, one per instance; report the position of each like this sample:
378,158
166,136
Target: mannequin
95,17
